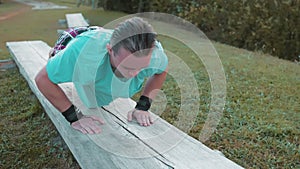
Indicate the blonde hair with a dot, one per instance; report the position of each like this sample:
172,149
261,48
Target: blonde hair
134,35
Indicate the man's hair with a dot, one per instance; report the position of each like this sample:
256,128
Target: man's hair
134,35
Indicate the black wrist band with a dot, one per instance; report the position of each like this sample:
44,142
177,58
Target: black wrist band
70,114
144,103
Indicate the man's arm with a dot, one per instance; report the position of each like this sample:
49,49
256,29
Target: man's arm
52,91
154,82
57,97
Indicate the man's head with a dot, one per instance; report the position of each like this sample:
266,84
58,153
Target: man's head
131,46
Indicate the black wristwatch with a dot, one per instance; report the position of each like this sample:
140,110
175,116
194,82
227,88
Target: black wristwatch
144,103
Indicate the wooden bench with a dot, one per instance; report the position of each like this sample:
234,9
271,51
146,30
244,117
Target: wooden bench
7,64
121,144
76,20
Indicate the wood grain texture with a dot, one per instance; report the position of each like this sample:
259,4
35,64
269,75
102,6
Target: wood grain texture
121,144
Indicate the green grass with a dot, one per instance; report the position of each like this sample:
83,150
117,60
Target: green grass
28,138
262,110
259,128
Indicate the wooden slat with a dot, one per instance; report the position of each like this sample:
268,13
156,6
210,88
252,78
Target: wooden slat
121,144
179,148
76,20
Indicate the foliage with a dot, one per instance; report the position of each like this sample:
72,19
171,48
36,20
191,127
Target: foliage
270,26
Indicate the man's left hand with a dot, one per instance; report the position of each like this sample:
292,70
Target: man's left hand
142,117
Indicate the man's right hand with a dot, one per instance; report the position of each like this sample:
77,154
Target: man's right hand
88,125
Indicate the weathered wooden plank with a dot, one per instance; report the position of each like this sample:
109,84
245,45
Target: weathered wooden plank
176,146
75,20
121,144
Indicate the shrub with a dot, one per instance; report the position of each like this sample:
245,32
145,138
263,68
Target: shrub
271,26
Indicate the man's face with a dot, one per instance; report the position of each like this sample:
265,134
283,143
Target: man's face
127,64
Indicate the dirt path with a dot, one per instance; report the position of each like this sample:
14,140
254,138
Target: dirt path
26,5
40,5
23,8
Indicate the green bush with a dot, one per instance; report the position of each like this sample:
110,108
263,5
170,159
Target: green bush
130,6
270,26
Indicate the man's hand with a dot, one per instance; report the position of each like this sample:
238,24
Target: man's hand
142,117
88,124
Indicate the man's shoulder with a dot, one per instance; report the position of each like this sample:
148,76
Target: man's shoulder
97,34
92,44
158,51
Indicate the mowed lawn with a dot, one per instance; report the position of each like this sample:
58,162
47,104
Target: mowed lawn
260,123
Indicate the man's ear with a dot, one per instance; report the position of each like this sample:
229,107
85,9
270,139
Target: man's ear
109,49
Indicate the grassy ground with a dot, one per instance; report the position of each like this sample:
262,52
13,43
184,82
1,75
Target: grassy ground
259,128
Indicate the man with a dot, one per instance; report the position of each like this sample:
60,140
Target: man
103,65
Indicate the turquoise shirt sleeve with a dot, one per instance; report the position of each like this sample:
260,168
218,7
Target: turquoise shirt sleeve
161,58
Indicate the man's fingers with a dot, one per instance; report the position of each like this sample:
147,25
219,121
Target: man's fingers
138,118
88,129
95,129
83,130
87,125
96,118
76,125
129,115
146,121
150,120
143,118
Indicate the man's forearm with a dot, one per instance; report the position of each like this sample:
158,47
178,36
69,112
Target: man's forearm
153,83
